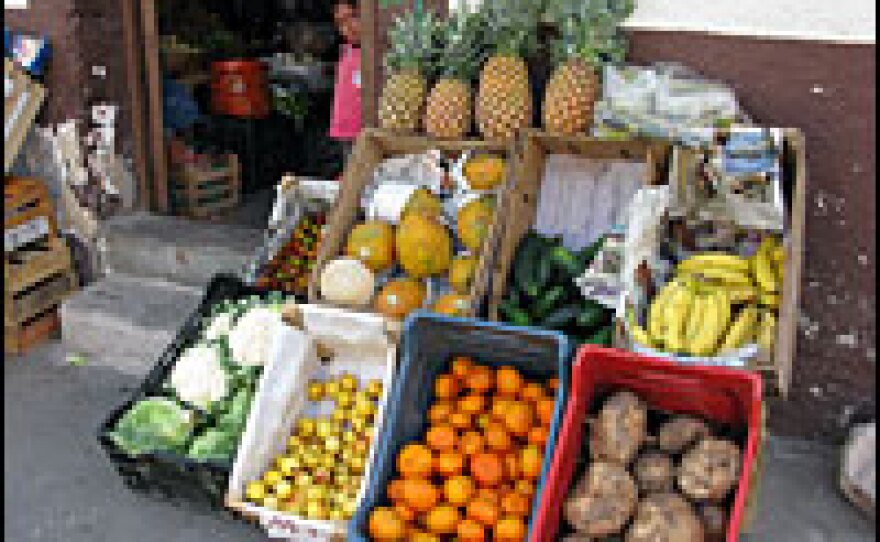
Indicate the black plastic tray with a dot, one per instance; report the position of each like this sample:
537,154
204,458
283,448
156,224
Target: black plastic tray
165,475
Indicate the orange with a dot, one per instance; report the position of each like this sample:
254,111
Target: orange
461,420
441,438
445,387
448,464
511,466
458,490
510,529
386,526
480,380
471,531
525,488
420,495
531,458
516,505
490,494
546,408
483,511
519,418
483,421
539,435
405,513
487,469
508,382
461,367
553,385
499,408
440,412
443,520
471,443
419,536
472,404
497,438
415,461
532,392
395,490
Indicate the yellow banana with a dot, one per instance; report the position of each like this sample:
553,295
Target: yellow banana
657,312
767,331
739,295
716,322
677,310
714,259
637,332
742,331
699,312
722,275
771,301
763,268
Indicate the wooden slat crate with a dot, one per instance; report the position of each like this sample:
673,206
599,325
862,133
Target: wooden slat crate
25,201
21,338
204,194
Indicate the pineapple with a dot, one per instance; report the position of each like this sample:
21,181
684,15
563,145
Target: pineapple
588,36
449,114
504,100
409,61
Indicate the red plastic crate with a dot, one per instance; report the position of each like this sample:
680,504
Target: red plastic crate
726,396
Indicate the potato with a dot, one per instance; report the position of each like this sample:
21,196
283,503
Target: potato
710,470
655,473
665,517
680,433
602,502
620,429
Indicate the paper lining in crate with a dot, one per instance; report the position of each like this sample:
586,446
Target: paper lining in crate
357,344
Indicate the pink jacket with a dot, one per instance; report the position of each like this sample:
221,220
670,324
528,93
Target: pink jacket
346,121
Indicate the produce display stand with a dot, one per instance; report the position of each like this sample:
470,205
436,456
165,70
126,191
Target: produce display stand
361,348
532,148
428,344
720,395
174,476
372,147
37,266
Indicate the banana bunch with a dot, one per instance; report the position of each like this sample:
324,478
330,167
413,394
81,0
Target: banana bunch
716,303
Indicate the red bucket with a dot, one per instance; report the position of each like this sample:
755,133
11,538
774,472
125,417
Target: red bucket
727,396
239,88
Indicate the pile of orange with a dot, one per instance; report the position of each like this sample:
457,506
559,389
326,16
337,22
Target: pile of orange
472,477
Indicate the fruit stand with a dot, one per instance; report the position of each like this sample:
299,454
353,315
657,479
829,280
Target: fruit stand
535,325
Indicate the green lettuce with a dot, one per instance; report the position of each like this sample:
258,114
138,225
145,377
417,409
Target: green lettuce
154,425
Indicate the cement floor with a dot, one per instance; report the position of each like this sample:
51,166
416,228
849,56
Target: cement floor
60,487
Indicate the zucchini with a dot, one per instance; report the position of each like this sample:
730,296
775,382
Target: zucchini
543,270
548,301
514,315
526,260
592,316
561,317
567,261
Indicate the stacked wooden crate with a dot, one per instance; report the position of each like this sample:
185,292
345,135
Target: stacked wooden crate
206,189
23,98
38,268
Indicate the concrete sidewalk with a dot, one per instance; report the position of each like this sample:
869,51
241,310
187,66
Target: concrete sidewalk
60,487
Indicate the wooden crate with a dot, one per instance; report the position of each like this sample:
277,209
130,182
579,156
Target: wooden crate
532,147
371,149
23,99
21,338
204,194
27,206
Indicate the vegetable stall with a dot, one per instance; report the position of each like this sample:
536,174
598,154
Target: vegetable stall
521,315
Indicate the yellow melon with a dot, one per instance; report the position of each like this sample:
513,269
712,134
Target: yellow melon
424,247
372,243
423,202
484,171
400,297
461,273
474,222
452,305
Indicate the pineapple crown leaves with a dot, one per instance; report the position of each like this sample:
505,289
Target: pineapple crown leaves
590,29
513,25
414,43
464,49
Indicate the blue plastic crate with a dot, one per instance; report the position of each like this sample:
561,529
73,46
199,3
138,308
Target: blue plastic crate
429,342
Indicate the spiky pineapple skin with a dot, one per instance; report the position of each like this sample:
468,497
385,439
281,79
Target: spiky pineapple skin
402,102
570,97
449,113
504,102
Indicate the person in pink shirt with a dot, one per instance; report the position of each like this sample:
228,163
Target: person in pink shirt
345,124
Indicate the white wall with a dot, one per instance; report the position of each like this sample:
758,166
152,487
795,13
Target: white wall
15,4
833,20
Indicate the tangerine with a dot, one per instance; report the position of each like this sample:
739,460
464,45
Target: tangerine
512,469
443,520
445,387
508,382
525,488
553,385
546,408
441,438
405,513
395,490
420,495
499,408
461,420
483,511
386,526
471,443
487,469
483,421
519,418
510,529
516,505
472,404
481,380
461,367
531,459
458,490
532,392
421,536
490,494
448,464
471,531
415,461
539,435
440,412
497,438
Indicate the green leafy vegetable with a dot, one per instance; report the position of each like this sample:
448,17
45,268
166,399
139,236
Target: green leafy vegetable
154,425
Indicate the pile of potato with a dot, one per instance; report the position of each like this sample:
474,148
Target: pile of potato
668,483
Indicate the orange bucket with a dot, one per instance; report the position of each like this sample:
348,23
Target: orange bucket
239,88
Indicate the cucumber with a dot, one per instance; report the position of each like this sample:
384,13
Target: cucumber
561,317
526,260
548,301
514,315
543,270
603,337
567,261
592,316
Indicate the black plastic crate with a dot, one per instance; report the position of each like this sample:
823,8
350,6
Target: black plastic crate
165,475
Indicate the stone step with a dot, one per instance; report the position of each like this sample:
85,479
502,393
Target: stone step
175,249
126,322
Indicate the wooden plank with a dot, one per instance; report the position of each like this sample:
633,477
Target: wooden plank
28,267
154,105
21,307
370,84
20,339
134,77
